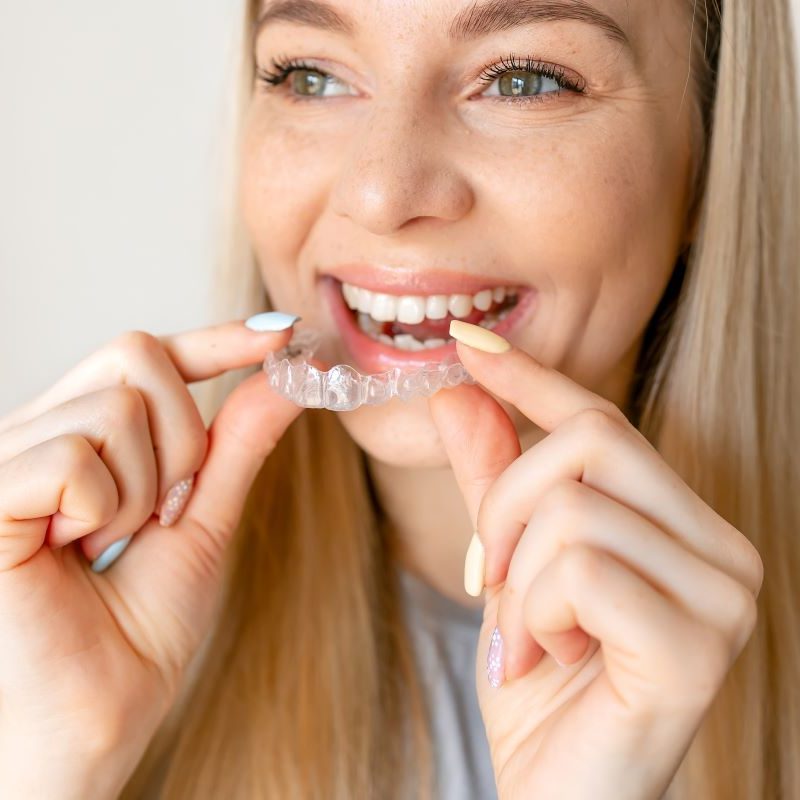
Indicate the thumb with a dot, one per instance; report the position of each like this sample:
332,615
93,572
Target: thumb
244,432
481,441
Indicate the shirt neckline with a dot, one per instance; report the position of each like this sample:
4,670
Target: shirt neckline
437,604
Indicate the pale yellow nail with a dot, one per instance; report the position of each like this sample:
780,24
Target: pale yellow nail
478,337
474,567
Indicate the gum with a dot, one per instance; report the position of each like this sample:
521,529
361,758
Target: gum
343,388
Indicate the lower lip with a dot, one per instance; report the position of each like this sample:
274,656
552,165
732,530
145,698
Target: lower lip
373,356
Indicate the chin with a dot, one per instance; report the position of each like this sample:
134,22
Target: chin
397,433
403,434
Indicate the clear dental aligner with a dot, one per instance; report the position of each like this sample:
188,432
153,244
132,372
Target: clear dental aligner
343,388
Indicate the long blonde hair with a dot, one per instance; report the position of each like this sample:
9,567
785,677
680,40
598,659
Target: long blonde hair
307,686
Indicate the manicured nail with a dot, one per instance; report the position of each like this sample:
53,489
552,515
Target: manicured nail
110,554
271,321
478,337
474,567
175,501
494,662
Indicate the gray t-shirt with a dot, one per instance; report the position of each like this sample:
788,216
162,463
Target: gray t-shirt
445,638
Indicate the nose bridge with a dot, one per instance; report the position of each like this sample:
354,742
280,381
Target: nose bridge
399,168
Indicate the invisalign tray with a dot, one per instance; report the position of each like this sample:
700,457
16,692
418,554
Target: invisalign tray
343,388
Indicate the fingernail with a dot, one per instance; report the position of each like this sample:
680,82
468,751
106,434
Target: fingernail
478,337
474,567
271,321
175,501
494,662
110,554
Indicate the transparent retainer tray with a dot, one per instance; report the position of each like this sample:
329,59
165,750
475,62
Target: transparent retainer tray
343,388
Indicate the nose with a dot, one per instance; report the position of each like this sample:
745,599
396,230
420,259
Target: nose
398,170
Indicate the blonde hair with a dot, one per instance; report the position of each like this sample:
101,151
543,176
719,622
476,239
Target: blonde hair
307,686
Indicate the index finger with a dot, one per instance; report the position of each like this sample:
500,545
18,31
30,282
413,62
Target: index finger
204,353
543,394
196,354
475,430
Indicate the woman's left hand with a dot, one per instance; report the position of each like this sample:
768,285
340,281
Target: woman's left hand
600,556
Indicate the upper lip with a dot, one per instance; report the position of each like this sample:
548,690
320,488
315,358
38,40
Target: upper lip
408,281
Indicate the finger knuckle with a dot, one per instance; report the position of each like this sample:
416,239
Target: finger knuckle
598,422
196,443
77,452
124,404
754,566
744,615
137,345
562,506
581,565
104,734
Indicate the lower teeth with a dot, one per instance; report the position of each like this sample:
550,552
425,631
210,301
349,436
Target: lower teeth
406,341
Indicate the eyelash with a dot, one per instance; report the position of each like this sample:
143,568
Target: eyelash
283,67
491,72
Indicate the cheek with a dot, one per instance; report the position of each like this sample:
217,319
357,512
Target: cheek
588,206
599,217
282,188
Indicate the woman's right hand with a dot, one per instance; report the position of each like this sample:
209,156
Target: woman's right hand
91,662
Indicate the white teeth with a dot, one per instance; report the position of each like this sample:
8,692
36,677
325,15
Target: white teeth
364,300
350,295
430,343
436,306
405,341
411,310
414,309
459,305
384,307
483,300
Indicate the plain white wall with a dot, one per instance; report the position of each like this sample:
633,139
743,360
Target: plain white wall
108,162
108,165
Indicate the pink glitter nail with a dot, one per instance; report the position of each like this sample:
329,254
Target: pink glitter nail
494,662
175,501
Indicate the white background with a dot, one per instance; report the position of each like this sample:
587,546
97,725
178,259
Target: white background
108,164
108,168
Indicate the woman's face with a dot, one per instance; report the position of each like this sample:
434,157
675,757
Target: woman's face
437,148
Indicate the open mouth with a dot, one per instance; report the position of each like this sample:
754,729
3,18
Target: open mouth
421,322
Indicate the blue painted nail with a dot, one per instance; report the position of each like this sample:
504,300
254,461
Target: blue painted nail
271,321
110,554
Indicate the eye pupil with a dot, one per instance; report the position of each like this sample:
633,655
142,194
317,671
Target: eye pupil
519,83
308,82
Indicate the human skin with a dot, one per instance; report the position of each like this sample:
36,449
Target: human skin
620,598
92,661
582,196
616,600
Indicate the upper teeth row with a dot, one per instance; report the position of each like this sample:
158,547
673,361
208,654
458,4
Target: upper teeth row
412,309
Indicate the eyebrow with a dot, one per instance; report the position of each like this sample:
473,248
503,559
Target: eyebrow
499,15
479,19
313,13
